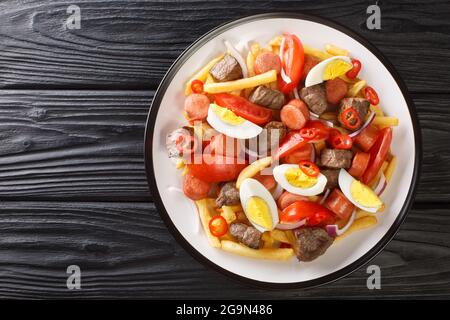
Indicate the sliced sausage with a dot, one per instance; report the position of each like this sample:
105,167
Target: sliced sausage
295,114
267,180
196,106
336,90
339,204
367,138
267,61
359,164
225,145
194,188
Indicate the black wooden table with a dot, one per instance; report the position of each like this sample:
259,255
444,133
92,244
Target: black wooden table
73,105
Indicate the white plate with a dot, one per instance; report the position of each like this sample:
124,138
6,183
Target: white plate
341,258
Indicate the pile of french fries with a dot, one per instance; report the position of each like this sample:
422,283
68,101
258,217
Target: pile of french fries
273,241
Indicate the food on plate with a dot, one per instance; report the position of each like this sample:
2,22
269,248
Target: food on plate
285,150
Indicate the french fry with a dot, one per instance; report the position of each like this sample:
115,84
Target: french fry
268,240
359,224
361,213
316,53
209,79
335,51
356,88
385,121
279,235
313,198
205,217
276,42
390,169
291,237
228,214
240,84
377,110
253,169
201,75
328,116
348,80
375,180
270,254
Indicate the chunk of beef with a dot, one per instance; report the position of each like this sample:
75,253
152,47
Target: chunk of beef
311,243
226,69
315,98
267,97
361,105
275,132
332,177
228,195
246,234
335,158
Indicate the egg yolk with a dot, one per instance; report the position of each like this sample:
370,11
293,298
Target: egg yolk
297,178
226,115
335,69
258,212
364,195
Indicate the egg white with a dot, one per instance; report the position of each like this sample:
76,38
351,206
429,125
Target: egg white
345,182
278,174
245,130
253,188
315,75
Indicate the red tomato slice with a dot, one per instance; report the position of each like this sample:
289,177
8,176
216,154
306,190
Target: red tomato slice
244,108
303,209
216,168
292,61
378,154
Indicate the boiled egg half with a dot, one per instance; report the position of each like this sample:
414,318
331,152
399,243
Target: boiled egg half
259,205
358,193
230,124
294,180
328,69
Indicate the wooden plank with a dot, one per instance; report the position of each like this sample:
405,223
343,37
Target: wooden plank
130,45
87,145
125,251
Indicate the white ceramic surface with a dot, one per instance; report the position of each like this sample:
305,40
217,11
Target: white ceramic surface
340,254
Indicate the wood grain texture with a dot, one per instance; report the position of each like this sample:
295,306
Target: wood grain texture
131,44
125,251
88,145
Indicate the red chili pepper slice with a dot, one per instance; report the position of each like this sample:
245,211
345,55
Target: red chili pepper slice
309,168
351,74
308,133
341,141
197,86
218,226
350,118
186,144
371,95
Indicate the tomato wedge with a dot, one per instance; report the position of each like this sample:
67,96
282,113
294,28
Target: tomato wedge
292,62
218,226
315,213
244,108
321,130
216,168
291,142
378,154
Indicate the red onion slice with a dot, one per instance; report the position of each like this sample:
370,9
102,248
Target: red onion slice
290,226
381,185
238,57
325,196
334,231
369,121
296,96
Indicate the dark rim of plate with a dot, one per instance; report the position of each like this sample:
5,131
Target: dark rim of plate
148,146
